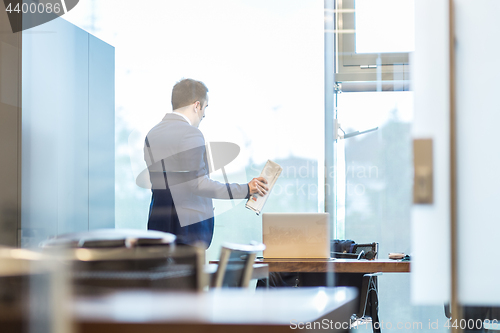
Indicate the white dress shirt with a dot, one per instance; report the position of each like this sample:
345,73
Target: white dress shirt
183,116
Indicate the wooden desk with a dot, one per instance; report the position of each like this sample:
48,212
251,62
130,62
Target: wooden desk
224,310
260,271
336,265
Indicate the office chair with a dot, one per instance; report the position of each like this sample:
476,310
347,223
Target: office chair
109,238
117,259
159,268
236,265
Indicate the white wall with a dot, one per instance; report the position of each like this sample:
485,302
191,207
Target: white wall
431,223
478,157
478,161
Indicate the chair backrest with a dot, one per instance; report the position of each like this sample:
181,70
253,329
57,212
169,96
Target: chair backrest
236,264
110,238
109,259
175,268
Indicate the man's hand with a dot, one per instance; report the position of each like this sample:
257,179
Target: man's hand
257,185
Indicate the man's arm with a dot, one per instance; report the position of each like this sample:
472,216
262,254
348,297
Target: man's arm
202,185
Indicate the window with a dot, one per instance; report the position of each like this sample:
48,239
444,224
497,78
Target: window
375,170
263,64
370,38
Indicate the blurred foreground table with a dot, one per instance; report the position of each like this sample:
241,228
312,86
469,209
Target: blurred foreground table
223,310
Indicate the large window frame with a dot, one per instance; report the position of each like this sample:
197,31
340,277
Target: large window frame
367,71
352,72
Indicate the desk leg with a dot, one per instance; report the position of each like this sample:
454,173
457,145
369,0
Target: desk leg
368,302
373,300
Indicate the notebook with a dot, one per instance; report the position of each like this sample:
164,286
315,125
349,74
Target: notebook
296,235
271,173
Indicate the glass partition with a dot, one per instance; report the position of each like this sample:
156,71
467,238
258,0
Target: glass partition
266,64
375,169
263,66
67,132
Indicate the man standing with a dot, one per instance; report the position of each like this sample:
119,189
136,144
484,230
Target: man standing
182,190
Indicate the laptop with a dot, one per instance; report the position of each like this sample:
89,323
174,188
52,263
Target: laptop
296,235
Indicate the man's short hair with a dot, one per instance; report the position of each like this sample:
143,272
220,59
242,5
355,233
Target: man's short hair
188,91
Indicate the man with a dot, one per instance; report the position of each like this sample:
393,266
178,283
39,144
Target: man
182,190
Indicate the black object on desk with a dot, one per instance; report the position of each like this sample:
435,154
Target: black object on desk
367,308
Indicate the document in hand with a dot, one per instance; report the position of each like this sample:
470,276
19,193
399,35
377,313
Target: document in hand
271,172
